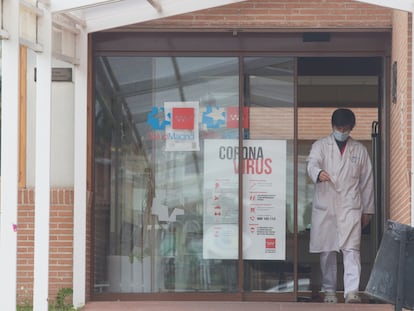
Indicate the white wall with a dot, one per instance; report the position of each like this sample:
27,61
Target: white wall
62,128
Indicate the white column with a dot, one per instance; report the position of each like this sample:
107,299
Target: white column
80,158
42,164
9,155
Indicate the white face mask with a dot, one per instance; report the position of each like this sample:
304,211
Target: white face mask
339,136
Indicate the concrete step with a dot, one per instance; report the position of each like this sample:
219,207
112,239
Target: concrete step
230,306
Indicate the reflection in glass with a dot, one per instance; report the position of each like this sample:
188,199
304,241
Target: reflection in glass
149,202
269,95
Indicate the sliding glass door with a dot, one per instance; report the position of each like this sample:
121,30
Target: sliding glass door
268,198
180,199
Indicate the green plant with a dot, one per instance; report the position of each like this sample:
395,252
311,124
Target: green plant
60,303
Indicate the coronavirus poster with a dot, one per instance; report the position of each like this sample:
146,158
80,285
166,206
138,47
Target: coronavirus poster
263,168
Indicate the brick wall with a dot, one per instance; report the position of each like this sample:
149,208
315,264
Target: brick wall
400,119
313,123
282,14
316,122
25,246
60,247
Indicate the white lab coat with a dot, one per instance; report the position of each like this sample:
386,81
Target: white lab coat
338,205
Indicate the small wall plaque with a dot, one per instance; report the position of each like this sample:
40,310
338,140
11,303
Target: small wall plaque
62,74
58,74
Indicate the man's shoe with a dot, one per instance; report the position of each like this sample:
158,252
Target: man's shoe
352,297
330,297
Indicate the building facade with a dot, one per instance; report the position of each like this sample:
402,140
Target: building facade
148,197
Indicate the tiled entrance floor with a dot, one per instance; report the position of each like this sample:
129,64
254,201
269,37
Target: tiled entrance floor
230,306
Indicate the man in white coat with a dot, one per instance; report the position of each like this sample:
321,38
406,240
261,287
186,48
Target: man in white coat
343,203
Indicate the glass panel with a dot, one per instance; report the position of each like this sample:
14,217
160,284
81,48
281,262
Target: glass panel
154,119
269,198
340,90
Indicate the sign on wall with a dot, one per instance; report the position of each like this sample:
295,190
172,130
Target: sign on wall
264,199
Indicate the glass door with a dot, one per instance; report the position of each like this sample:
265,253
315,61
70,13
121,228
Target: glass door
197,193
200,145
325,84
268,199
170,215
162,223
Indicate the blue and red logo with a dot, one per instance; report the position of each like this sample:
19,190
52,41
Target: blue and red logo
182,118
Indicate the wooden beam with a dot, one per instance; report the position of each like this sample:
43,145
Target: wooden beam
22,117
156,4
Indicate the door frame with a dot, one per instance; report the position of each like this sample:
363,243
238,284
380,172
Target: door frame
225,43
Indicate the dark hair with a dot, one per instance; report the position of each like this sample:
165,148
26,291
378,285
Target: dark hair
343,117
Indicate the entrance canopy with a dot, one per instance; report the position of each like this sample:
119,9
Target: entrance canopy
402,5
94,13
70,17
97,15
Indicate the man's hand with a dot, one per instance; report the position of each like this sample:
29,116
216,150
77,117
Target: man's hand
324,176
366,219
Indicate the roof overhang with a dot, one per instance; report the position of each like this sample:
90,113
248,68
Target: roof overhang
99,15
403,5
72,17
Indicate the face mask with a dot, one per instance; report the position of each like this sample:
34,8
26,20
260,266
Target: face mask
340,136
